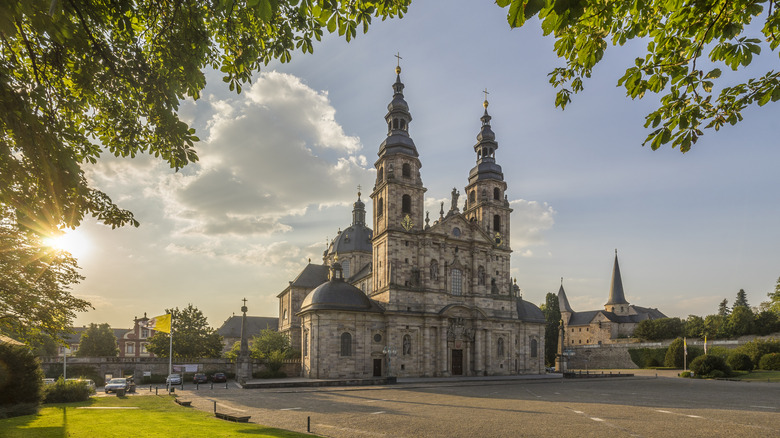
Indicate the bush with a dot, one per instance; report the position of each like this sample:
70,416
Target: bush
21,379
757,348
66,392
717,374
739,361
686,374
674,354
647,357
705,365
770,362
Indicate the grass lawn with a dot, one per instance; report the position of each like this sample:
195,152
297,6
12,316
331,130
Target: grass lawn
137,416
757,376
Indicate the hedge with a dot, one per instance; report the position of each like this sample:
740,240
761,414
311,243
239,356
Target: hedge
647,357
770,362
66,391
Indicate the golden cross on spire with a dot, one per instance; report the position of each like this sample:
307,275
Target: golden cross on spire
485,103
244,300
398,65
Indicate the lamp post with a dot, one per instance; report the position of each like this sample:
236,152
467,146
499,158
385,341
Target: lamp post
65,352
389,352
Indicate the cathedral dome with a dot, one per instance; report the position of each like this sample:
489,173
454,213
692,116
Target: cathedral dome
336,294
357,237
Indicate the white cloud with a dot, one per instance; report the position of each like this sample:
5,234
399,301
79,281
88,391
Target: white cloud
530,220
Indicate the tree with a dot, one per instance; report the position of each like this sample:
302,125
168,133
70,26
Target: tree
715,326
34,284
659,329
774,299
97,341
646,330
552,314
267,342
192,336
740,322
766,322
21,379
741,300
678,35
81,78
675,354
723,308
694,326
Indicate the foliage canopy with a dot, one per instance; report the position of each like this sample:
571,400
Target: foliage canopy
688,43
192,336
79,78
97,341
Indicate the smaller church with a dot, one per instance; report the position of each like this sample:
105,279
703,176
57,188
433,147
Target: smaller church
617,320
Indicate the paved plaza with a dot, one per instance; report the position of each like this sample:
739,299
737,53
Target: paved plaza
641,406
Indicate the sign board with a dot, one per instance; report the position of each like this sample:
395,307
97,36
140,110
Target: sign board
188,368
147,374
568,353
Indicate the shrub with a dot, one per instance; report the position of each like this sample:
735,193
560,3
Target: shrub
770,362
686,374
66,392
717,374
86,372
757,348
739,361
21,379
674,354
647,357
705,365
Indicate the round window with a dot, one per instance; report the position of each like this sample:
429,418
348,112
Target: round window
377,338
456,231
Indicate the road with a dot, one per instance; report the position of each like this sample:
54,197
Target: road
610,407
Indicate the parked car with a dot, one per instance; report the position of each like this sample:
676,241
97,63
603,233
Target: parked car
173,379
219,377
125,384
48,381
200,378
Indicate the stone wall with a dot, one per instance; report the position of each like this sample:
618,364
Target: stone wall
136,366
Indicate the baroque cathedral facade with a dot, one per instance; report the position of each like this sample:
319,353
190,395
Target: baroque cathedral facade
411,297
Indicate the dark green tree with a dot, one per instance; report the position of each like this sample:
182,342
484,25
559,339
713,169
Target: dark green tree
723,308
774,299
98,340
694,326
192,336
647,330
35,283
741,300
267,342
82,78
688,43
21,379
552,315
740,322
766,322
715,326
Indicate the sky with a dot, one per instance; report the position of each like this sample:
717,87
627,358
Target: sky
280,164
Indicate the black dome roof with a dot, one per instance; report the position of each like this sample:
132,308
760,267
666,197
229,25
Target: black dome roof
336,294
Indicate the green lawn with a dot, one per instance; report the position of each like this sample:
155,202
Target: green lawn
757,376
148,416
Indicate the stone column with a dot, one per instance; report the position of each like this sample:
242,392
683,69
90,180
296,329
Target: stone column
243,362
488,350
443,362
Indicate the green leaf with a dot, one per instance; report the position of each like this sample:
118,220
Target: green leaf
516,16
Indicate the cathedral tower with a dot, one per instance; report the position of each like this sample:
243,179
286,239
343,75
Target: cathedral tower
486,201
398,192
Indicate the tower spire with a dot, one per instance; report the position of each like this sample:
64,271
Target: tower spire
616,294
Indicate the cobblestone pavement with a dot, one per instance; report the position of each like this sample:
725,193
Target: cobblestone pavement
641,406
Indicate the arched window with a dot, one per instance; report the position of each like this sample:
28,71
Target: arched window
407,350
484,194
395,123
345,268
406,204
457,286
406,170
346,344
497,223
534,348
481,276
403,124
500,348
380,207
380,175
472,196
285,314
434,270
305,343
497,193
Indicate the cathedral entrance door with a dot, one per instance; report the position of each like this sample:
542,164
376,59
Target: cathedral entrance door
377,367
457,362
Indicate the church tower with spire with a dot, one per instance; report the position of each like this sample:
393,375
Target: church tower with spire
398,192
617,303
486,202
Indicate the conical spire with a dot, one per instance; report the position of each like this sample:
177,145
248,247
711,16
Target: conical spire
563,302
616,295
485,148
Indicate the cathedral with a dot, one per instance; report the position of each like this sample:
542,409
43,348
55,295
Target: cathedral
412,297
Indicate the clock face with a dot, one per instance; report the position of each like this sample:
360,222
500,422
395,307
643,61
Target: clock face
407,223
499,239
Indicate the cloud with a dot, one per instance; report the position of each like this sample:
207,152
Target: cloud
530,219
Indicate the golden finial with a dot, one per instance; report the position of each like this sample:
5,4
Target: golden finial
485,103
398,66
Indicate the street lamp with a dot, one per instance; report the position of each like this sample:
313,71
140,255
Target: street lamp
389,352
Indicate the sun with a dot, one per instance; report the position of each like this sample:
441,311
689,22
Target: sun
72,241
